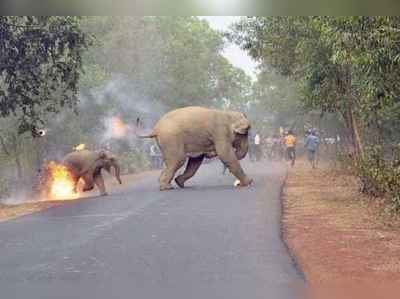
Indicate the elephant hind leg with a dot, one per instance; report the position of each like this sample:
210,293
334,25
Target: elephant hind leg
167,174
89,183
174,158
191,169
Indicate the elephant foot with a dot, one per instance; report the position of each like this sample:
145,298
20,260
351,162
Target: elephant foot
180,181
88,189
245,182
166,187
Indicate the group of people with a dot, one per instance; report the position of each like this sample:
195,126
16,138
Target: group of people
311,144
283,145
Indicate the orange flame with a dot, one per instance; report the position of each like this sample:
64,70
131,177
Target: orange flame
118,128
61,183
80,147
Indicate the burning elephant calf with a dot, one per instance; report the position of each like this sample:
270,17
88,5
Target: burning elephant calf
61,180
87,165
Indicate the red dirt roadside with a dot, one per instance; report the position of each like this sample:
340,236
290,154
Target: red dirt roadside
8,212
336,234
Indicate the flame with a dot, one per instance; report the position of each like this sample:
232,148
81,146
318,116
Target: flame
60,183
118,128
80,147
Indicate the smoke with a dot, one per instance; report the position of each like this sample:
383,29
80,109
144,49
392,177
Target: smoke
16,191
119,103
127,100
115,128
17,197
106,119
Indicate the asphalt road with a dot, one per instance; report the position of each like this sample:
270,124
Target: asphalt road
209,240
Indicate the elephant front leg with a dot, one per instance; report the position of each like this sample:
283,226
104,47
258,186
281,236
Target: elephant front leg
191,169
99,181
228,157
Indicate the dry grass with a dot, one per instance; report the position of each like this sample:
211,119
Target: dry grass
8,212
336,233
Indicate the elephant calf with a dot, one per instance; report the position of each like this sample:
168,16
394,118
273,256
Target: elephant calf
197,132
88,164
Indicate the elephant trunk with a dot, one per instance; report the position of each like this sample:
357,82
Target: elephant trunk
117,170
242,147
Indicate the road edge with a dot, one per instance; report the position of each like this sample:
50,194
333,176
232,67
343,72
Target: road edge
283,232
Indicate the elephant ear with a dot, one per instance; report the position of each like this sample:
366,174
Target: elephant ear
241,125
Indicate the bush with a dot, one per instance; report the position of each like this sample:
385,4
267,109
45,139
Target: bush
4,188
133,161
380,176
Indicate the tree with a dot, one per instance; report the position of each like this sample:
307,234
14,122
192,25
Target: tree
346,65
173,60
40,64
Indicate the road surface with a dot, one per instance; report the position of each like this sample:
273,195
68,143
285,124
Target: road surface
209,240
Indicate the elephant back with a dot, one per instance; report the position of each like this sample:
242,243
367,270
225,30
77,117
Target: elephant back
80,161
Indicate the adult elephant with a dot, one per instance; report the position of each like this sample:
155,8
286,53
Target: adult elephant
198,132
88,164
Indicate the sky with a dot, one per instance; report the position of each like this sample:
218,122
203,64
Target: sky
232,52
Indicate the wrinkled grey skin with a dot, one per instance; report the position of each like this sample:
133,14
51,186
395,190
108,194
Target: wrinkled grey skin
197,132
88,164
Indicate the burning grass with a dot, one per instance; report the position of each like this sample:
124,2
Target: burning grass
8,212
59,183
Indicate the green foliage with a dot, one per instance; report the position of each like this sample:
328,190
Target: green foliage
174,60
4,187
277,103
347,67
39,66
380,177
133,161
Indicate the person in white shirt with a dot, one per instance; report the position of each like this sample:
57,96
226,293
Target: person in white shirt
257,147
155,156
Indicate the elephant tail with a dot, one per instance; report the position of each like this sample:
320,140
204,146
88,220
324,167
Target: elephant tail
151,135
138,125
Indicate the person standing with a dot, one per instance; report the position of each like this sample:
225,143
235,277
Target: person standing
268,142
290,143
257,147
155,156
251,147
311,143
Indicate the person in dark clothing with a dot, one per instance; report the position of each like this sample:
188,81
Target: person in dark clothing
311,143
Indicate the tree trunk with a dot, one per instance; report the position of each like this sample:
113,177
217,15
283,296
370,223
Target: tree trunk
358,145
17,157
352,118
19,167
